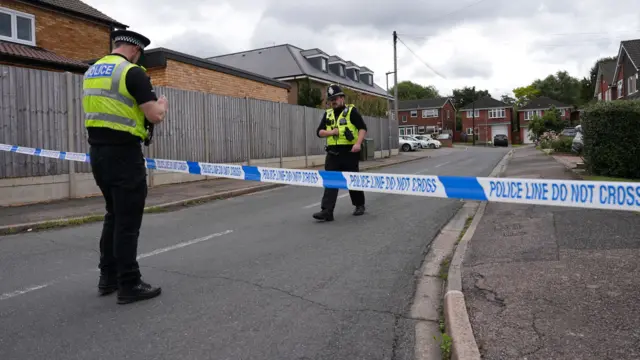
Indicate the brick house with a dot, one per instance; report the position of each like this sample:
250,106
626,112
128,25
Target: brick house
625,77
426,116
492,117
538,106
313,67
54,35
602,90
181,71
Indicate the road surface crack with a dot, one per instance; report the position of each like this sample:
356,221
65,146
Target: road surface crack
489,294
394,344
539,335
288,293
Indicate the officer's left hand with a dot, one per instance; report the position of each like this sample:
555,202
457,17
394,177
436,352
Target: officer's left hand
355,148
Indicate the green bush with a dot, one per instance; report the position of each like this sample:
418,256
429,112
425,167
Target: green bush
611,137
562,144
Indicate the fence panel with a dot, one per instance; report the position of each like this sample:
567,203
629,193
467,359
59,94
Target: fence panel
36,111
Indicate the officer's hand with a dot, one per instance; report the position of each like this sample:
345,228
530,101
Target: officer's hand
335,131
355,148
163,101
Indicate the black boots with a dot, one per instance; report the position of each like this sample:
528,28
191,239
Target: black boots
327,215
127,294
324,215
359,210
140,291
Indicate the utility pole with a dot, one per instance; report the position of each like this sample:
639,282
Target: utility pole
473,115
395,76
389,109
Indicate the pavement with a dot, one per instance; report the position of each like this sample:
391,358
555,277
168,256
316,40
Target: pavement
249,277
166,196
553,283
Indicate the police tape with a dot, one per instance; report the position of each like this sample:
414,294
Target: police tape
569,193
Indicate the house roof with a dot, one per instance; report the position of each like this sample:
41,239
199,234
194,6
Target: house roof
435,103
632,48
77,7
32,55
288,62
606,69
485,102
543,102
158,57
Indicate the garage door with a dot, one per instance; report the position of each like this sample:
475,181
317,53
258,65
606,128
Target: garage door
500,130
526,139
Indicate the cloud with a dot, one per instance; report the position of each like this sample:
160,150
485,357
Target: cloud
493,44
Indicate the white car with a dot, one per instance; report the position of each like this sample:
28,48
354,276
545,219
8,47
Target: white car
408,144
428,142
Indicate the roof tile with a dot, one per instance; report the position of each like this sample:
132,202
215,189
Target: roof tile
543,102
78,7
485,102
633,49
434,103
36,53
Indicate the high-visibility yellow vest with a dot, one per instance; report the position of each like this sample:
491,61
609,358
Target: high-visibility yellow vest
106,101
343,122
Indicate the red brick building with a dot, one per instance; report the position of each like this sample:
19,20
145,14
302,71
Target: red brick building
489,117
625,77
537,107
54,35
426,116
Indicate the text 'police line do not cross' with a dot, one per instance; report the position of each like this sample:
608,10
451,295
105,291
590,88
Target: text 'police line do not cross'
623,196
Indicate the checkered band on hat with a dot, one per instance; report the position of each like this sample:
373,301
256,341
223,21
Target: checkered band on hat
129,39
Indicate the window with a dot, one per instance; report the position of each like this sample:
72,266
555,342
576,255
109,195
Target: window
414,113
404,118
370,78
324,64
599,96
528,115
448,114
17,27
631,84
620,89
341,70
496,114
471,113
421,130
355,75
429,113
469,131
607,95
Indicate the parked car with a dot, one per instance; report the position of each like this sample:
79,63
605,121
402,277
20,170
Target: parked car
407,144
500,140
427,141
569,132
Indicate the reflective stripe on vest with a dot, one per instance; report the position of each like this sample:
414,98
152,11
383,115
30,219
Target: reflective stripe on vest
341,139
112,118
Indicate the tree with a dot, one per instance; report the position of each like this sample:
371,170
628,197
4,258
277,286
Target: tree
508,100
467,95
307,95
525,94
550,121
561,87
588,85
408,90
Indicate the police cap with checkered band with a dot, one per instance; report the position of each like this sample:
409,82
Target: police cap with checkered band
130,37
333,91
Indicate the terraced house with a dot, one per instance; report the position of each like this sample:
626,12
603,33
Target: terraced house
309,72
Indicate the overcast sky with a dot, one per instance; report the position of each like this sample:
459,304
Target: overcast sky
493,44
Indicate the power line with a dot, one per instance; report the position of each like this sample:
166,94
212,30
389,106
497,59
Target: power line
419,58
634,32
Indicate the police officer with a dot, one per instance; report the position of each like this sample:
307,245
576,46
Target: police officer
117,98
343,127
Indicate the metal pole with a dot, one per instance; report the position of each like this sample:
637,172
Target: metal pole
473,112
395,77
304,124
249,134
280,131
71,134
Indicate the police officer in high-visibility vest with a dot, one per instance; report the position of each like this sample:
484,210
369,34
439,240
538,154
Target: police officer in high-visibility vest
117,98
344,130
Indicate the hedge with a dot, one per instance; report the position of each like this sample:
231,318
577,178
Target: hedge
612,138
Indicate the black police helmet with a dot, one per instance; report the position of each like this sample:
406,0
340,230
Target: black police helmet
333,91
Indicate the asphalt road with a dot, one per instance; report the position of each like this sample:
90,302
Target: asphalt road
253,277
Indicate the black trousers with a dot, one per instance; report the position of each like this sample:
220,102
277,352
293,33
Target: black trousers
120,173
344,161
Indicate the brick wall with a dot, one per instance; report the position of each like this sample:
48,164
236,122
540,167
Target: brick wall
484,125
189,77
66,35
446,118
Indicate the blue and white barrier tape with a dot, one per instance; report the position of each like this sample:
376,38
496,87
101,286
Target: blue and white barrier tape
581,194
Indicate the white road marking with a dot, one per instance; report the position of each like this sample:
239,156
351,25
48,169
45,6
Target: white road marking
444,163
29,289
318,204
